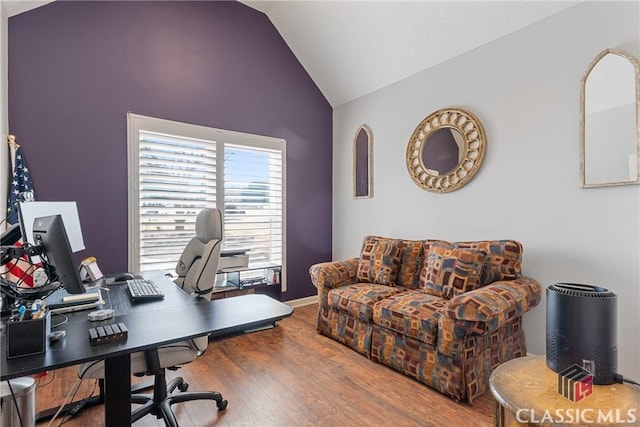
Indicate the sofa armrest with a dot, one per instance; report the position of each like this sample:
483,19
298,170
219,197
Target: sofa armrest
329,275
486,309
498,302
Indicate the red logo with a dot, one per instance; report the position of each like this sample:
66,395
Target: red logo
575,383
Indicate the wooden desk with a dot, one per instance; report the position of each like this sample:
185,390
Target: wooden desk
150,324
526,394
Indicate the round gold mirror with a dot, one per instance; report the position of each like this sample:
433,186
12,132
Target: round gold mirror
446,150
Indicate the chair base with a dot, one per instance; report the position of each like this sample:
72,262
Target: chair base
159,404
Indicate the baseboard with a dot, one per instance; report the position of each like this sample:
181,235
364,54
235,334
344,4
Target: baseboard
302,301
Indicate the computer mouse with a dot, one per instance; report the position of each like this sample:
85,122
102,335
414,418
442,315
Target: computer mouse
124,277
56,335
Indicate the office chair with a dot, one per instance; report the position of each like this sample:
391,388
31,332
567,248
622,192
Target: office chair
198,263
196,275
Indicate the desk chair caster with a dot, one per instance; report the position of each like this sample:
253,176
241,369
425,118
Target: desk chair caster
159,403
183,386
222,405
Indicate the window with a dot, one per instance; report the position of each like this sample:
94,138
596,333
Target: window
177,169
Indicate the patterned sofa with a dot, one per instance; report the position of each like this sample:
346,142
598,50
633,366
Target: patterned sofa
444,313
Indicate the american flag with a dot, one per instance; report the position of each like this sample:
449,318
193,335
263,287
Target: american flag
19,271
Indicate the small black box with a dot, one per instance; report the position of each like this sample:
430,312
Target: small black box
28,337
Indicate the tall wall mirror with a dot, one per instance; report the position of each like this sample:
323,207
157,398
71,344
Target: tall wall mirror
610,120
446,150
363,163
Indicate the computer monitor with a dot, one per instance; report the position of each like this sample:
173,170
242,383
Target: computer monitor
8,239
29,211
49,233
11,235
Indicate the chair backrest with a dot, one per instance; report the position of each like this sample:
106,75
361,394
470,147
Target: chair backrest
198,263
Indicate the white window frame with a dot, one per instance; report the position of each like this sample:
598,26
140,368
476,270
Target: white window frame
137,123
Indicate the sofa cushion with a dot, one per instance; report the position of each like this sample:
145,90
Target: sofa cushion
503,259
411,313
448,272
358,299
411,259
379,260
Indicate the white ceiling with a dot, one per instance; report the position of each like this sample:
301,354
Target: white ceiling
352,48
14,7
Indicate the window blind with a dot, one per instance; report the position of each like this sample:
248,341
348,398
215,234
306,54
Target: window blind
177,177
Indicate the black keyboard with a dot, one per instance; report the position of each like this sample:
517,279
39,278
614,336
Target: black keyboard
144,290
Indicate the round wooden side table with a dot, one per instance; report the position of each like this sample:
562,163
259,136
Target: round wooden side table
526,394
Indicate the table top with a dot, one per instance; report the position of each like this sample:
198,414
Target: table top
149,323
528,388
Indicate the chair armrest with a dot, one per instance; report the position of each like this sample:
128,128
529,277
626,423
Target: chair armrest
486,309
329,275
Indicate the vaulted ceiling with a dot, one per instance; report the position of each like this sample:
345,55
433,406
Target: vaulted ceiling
352,48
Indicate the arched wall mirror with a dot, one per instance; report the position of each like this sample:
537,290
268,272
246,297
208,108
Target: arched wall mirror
363,163
609,120
446,150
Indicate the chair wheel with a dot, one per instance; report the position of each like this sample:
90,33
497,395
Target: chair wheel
183,387
222,405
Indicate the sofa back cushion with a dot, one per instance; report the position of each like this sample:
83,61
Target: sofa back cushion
379,260
448,271
411,260
502,261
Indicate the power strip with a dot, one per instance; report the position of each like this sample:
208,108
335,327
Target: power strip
81,297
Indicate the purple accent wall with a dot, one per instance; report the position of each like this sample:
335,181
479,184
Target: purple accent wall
77,68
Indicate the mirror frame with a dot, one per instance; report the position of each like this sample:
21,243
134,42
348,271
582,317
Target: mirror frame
583,85
356,177
474,150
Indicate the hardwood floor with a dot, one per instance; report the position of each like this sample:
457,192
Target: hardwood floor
290,376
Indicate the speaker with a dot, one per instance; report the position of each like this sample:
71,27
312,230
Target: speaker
581,330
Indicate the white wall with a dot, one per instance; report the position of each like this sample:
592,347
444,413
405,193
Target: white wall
4,100
525,89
